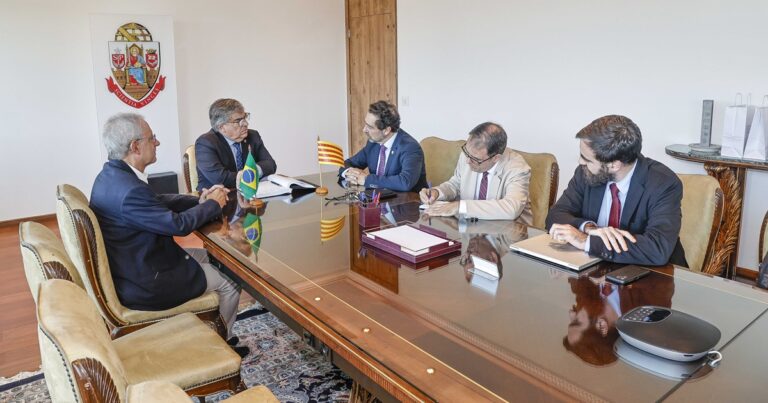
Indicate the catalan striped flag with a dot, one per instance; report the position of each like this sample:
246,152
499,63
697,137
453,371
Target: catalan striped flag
252,230
331,228
249,184
329,153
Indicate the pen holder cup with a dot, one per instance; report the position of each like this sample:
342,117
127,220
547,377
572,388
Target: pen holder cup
369,217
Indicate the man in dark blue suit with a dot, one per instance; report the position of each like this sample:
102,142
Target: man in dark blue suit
151,271
620,205
394,159
222,151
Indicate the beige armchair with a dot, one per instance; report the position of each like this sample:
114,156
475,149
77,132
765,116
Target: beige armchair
702,208
166,392
545,177
44,257
440,158
83,241
82,363
190,169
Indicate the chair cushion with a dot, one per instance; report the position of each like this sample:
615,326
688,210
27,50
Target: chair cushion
157,391
71,328
701,195
181,350
209,301
44,256
440,158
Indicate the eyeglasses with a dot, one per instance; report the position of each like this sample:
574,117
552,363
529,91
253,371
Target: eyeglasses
151,138
473,159
243,121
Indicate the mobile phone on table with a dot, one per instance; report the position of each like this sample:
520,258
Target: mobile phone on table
627,274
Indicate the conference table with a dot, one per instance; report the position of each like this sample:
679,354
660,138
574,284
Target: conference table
441,331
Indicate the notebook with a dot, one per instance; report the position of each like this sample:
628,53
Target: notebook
543,247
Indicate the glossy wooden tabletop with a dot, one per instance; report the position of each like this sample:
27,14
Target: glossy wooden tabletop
537,332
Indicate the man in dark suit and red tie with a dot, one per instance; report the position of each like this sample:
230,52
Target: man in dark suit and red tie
394,159
620,205
222,151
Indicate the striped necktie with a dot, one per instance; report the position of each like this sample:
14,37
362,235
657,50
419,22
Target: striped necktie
238,156
382,161
483,194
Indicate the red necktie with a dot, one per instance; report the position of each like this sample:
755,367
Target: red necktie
382,161
483,194
613,219
606,290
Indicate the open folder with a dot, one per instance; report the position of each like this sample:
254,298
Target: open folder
277,185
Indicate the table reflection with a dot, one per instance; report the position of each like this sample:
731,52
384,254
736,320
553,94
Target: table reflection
592,328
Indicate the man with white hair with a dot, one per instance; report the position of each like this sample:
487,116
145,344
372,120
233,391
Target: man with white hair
150,271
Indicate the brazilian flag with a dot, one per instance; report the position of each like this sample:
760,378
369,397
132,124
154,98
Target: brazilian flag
249,184
252,230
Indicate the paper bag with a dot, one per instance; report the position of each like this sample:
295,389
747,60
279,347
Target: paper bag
757,146
735,128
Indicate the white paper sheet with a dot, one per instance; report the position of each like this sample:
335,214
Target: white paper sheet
411,239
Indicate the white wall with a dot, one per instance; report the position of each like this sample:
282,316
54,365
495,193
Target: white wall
545,69
284,60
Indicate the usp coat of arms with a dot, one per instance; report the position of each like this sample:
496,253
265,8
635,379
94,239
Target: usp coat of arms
135,63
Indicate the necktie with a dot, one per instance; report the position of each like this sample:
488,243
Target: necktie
382,161
606,290
238,156
483,194
613,219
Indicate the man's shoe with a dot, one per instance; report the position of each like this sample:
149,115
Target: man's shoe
242,351
232,341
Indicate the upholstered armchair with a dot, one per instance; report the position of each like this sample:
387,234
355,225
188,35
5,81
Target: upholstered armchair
545,177
440,158
190,169
83,241
44,256
702,208
82,363
166,392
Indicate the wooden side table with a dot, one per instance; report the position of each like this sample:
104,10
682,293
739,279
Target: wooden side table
731,173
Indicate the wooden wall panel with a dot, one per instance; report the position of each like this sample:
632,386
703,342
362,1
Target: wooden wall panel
371,61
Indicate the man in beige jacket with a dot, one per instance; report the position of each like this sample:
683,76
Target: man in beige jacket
490,181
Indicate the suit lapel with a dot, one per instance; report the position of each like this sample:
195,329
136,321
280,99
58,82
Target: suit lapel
596,194
636,190
494,181
227,151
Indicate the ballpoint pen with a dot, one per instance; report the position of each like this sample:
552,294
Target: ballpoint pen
429,191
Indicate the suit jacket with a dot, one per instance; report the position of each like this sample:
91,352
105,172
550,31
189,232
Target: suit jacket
216,162
405,170
150,271
651,213
507,189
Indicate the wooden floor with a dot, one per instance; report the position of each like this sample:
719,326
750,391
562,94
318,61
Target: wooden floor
18,324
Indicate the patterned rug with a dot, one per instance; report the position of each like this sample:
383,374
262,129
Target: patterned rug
279,359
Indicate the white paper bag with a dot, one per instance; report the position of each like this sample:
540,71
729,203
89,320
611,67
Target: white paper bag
736,124
757,146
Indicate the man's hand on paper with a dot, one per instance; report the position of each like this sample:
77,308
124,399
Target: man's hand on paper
443,209
428,195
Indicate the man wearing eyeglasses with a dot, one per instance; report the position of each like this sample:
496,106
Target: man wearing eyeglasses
150,270
394,159
490,181
221,153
